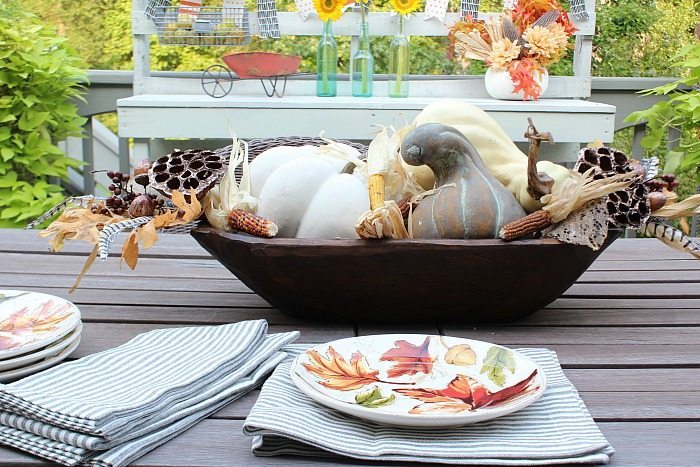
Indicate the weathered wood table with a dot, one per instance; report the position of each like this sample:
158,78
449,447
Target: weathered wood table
627,334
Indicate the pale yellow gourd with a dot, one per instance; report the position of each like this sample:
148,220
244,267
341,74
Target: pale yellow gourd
502,157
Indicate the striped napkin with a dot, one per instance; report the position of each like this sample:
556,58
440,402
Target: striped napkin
110,408
557,429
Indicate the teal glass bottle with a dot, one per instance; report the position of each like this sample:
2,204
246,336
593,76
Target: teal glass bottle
399,63
327,63
363,63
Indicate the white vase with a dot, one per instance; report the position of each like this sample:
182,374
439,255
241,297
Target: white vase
499,84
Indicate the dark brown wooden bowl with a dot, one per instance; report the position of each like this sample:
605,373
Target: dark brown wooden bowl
399,281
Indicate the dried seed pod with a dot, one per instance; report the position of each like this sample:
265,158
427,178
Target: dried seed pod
142,205
192,169
252,224
527,225
141,172
626,208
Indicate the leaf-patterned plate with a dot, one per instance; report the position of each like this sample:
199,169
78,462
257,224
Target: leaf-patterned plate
18,373
418,380
51,350
32,320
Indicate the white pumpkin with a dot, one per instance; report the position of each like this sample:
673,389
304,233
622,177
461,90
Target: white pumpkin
289,189
268,161
334,210
302,191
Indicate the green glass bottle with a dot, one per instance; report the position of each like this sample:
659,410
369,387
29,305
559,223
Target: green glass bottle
362,62
399,63
327,63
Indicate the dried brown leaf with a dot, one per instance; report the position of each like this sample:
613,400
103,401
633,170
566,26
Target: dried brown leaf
147,236
130,250
86,266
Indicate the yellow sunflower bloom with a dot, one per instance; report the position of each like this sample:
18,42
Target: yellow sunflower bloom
405,7
329,10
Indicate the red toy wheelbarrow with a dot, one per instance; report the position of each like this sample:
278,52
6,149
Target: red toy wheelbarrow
217,80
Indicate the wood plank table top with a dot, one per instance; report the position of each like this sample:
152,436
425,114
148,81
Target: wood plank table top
627,334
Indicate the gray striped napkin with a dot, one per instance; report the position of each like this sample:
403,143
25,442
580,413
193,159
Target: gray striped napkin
557,429
111,408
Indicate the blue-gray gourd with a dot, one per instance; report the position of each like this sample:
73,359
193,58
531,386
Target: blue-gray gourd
477,206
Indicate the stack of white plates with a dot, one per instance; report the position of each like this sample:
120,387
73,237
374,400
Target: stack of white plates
37,331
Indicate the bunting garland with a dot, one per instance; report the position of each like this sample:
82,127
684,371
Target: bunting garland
436,9
304,8
578,10
267,18
470,8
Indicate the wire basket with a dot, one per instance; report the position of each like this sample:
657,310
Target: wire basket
205,26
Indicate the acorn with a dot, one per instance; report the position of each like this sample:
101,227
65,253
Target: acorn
461,354
141,172
656,200
142,205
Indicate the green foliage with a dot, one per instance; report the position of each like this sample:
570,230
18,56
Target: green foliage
680,110
38,76
638,37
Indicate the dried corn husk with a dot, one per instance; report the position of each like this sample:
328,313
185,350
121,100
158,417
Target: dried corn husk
382,222
230,194
573,193
685,208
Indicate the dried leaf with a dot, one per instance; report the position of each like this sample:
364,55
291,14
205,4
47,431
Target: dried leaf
409,359
76,224
86,266
191,210
130,250
147,235
337,373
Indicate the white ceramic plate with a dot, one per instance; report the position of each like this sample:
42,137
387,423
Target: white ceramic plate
53,349
17,373
418,380
32,320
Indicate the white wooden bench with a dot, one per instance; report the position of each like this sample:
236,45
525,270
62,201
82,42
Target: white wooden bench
179,108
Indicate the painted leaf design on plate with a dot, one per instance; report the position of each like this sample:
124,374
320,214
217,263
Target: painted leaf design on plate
498,358
408,358
45,318
463,394
374,398
337,373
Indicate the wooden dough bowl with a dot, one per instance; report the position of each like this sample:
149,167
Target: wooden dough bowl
402,281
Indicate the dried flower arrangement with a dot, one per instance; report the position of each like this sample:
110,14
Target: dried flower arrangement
524,41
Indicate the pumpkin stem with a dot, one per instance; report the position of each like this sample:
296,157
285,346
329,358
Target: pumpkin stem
538,183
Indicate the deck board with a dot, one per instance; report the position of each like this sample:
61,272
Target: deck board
627,335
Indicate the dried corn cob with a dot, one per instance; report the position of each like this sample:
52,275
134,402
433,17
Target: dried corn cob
376,191
527,225
405,206
252,224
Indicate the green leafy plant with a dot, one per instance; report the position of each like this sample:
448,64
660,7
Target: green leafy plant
681,110
38,77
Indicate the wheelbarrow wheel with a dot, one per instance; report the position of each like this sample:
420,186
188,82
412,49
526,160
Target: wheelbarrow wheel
217,81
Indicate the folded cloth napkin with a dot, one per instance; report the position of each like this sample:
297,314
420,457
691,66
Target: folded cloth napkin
557,429
110,408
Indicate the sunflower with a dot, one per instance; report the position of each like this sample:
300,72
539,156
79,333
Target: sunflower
405,7
329,10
